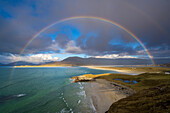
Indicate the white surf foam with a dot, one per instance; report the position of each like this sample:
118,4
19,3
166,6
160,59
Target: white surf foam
82,93
92,106
20,95
78,101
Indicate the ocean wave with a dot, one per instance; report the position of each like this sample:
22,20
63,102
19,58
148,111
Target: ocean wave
20,95
64,110
65,101
6,98
71,80
92,106
78,102
81,85
82,93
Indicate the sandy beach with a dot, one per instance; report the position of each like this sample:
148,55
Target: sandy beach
130,72
104,93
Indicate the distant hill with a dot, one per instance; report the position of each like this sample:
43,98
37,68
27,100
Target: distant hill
152,100
77,61
21,63
17,63
58,63
2,64
103,61
165,65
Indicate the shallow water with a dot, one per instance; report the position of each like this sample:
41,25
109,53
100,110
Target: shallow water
127,81
44,90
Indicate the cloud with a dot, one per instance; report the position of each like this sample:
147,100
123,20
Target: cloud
32,58
72,48
148,20
114,56
53,47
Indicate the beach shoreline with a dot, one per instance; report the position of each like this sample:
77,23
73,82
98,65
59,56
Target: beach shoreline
130,72
28,66
104,93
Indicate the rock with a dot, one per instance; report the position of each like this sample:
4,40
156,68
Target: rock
82,79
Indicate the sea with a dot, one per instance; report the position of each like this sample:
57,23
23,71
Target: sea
44,90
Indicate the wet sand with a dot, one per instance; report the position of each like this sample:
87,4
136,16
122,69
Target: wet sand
104,93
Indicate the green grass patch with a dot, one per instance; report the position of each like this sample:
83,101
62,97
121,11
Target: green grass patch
145,81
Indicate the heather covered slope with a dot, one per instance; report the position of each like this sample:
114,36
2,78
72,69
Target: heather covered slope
153,93
152,100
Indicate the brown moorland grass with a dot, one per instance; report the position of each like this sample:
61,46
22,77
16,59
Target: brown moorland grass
153,93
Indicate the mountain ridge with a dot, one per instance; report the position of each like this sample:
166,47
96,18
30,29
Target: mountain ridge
78,61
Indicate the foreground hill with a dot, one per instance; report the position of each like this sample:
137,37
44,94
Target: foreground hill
153,93
152,100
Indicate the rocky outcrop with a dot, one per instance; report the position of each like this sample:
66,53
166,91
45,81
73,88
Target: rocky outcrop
82,79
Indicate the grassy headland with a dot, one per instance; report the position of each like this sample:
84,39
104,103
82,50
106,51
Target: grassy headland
150,76
152,100
153,93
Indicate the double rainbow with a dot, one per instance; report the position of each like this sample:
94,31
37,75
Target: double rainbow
93,18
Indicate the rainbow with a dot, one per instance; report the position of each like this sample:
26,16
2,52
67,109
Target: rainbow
94,18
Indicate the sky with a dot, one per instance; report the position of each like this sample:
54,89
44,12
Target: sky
20,20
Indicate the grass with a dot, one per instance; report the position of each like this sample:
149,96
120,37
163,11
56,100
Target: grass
152,92
145,81
152,100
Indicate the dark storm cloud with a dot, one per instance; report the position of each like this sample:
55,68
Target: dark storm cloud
62,40
149,20
107,40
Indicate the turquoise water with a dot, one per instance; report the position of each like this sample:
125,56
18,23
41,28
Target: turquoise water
44,90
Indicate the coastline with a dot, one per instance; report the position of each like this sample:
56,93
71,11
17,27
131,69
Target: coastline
104,93
130,72
27,66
